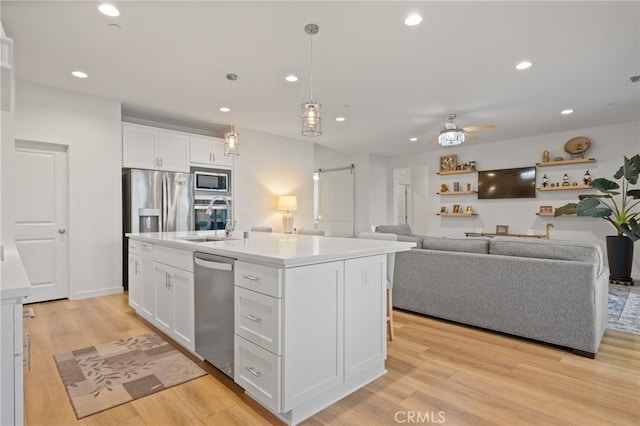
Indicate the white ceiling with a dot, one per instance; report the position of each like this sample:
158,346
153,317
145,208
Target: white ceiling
169,60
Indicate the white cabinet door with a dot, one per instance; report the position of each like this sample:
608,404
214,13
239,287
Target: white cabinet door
164,299
313,341
172,151
139,146
365,318
219,159
201,150
147,295
209,151
181,283
135,280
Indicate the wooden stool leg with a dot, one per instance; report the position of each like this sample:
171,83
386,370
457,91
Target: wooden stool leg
390,315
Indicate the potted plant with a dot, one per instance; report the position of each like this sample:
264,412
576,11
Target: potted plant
616,204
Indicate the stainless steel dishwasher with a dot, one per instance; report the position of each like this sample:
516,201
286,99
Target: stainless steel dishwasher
213,280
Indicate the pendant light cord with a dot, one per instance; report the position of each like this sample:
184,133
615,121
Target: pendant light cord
311,67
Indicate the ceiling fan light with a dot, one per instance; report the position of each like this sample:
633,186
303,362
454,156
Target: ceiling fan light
311,121
451,137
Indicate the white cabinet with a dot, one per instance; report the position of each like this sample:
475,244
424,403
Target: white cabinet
208,151
152,148
313,332
135,274
147,305
308,335
174,295
11,385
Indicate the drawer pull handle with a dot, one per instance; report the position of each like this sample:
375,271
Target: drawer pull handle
251,277
253,371
252,318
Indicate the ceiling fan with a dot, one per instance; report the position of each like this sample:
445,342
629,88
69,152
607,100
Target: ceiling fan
453,135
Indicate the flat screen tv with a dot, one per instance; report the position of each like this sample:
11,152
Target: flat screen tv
507,183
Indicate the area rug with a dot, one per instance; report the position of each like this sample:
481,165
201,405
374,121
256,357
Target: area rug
101,377
624,308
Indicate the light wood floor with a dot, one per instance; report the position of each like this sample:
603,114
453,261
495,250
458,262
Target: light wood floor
436,371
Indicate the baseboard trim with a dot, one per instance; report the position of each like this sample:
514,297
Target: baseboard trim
96,293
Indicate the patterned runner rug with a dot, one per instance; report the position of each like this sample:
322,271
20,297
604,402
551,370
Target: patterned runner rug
104,376
624,308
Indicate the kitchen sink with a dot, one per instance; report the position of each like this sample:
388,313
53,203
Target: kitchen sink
204,239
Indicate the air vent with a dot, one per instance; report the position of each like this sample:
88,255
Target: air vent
635,78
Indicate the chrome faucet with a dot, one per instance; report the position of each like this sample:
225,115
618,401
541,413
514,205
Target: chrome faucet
229,225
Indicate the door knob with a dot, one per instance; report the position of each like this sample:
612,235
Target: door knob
61,231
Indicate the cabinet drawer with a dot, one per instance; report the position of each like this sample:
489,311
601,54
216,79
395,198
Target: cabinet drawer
258,372
169,256
263,279
135,247
257,319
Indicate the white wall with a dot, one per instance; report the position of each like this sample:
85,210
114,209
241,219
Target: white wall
90,127
267,167
608,145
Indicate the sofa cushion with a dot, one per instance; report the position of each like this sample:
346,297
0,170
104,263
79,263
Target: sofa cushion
411,239
467,245
403,229
580,251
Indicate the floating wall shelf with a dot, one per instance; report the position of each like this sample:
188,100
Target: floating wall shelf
566,162
457,193
565,188
457,172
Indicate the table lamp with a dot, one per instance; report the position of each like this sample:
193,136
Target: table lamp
287,203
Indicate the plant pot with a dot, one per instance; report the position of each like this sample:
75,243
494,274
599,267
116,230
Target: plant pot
620,256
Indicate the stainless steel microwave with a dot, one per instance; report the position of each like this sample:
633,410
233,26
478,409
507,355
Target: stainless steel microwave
212,181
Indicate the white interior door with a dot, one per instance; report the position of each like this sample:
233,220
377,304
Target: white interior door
334,200
402,198
40,230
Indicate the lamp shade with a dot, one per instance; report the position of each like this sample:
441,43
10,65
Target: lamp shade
288,203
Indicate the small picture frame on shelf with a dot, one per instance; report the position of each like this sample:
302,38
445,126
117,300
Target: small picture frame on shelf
448,163
546,210
456,186
443,209
502,229
456,208
469,210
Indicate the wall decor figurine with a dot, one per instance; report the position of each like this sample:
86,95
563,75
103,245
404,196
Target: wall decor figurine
443,188
546,156
586,179
565,180
468,187
545,181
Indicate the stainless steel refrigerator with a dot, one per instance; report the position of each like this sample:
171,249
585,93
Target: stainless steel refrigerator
155,201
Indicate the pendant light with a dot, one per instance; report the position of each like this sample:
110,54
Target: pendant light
231,143
311,121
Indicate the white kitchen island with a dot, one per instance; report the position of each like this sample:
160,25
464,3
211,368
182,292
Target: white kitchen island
310,314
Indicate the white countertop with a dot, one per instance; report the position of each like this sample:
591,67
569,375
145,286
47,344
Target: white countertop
13,278
275,249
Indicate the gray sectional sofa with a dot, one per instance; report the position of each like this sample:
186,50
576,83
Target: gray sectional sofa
548,290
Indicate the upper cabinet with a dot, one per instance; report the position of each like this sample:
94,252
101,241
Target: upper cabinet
152,148
208,151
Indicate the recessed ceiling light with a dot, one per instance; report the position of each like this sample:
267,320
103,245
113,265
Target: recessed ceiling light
413,19
413,139
109,10
340,119
523,65
79,74
566,111
291,78
225,109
